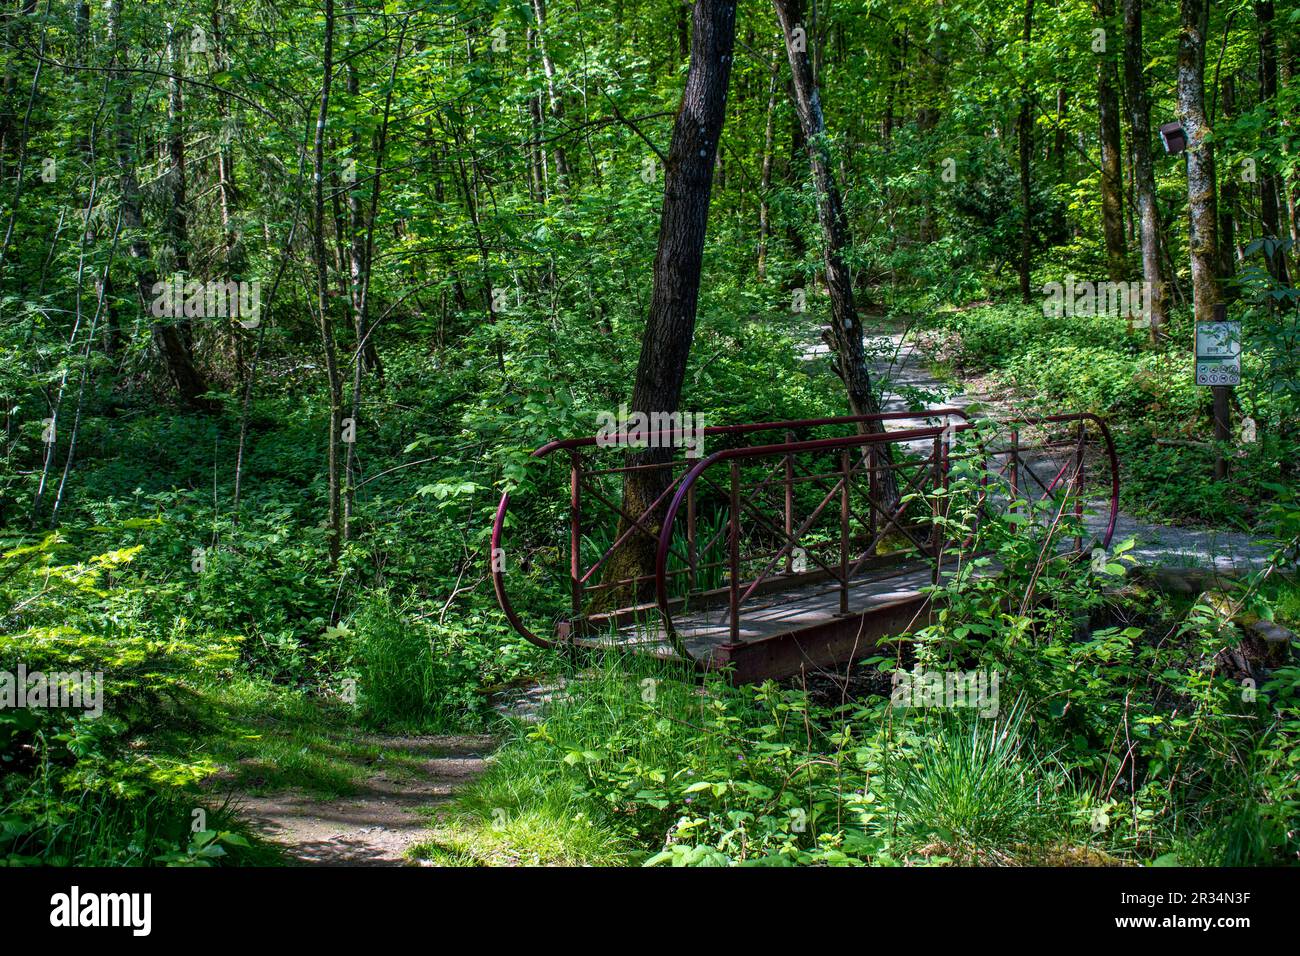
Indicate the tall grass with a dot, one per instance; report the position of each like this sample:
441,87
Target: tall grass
42,826
974,787
410,674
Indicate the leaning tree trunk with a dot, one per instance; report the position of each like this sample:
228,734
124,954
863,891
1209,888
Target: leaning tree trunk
1025,132
845,330
1153,272
1112,181
845,335
1202,207
670,326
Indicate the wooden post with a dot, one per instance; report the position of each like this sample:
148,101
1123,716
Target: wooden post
1222,412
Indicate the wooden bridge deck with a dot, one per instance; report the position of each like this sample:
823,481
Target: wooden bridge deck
783,621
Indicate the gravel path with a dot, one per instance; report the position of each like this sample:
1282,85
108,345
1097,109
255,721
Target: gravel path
905,364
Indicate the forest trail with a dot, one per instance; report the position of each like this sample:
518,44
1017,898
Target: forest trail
389,811
898,356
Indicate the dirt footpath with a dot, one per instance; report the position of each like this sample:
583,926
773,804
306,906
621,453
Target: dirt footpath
374,826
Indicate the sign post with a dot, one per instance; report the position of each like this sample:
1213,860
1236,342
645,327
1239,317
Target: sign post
1218,365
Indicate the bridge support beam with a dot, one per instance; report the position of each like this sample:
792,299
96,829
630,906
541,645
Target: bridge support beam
829,646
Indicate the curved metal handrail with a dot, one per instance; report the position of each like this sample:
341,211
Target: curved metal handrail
759,451
620,441
852,441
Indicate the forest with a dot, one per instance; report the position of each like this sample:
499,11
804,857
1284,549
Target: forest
291,292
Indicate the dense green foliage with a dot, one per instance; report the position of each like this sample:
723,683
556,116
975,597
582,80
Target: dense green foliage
1119,735
491,177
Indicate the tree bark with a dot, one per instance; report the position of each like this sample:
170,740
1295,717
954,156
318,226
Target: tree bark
1112,180
845,333
334,517
1202,211
1025,133
1270,183
554,101
1227,201
1153,272
765,183
670,326
166,334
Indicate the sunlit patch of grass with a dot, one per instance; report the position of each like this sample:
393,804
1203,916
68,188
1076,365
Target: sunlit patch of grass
540,836
274,738
1286,604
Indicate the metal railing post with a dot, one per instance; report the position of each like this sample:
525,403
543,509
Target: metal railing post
692,556
1078,486
936,536
844,531
575,533
1015,461
789,506
871,499
734,547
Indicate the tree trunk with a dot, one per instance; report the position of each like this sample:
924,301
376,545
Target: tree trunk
334,518
167,338
1058,141
556,104
1227,237
1153,272
1203,235
1025,132
765,183
845,331
1291,183
670,326
1270,183
845,334
1112,180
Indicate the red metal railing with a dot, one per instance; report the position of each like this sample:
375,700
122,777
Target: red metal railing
882,515
783,473
580,480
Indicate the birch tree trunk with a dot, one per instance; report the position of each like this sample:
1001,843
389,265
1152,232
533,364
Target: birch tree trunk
1202,208
1153,272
